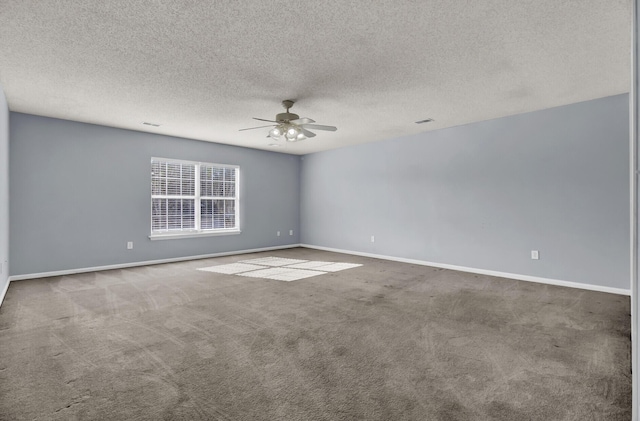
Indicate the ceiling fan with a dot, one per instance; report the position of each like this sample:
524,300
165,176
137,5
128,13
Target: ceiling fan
291,127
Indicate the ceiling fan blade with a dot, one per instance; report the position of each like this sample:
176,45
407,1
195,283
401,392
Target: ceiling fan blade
306,132
302,120
319,127
262,119
259,127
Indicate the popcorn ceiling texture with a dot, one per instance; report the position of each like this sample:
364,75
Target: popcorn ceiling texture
202,69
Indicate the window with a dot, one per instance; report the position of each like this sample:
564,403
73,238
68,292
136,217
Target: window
193,198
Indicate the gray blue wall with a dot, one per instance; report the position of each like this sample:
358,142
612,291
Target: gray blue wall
484,195
79,192
4,193
480,196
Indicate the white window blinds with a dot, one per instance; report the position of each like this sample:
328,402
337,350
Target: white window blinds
193,197
218,197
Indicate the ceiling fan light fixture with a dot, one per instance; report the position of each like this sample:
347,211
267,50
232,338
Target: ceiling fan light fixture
292,133
290,127
297,138
276,132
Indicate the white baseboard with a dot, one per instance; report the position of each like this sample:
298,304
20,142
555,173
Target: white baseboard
516,276
519,277
146,263
3,293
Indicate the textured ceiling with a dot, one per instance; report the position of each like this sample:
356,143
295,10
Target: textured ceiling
372,68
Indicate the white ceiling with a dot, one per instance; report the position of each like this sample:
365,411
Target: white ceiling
371,68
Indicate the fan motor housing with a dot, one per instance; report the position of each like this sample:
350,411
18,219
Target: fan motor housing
287,117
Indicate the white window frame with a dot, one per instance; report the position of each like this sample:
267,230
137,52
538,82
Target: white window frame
197,231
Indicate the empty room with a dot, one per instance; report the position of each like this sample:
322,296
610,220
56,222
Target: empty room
318,210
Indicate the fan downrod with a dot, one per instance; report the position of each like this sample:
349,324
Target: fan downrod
287,117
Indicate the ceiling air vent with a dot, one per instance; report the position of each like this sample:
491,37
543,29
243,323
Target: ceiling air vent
427,120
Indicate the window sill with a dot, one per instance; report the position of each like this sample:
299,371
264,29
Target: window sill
195,234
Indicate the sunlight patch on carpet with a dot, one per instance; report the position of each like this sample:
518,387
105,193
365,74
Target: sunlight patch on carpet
282,274
279,269
313,264
325,266
232,268
273,261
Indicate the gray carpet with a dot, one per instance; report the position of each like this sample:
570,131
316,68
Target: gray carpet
384,341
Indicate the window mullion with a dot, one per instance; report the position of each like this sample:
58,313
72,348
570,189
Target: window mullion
197,208
236,198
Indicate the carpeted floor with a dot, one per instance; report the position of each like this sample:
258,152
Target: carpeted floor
384,341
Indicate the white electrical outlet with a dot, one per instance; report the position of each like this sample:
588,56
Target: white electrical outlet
535,255
373,239
129,245
290,232
278,233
